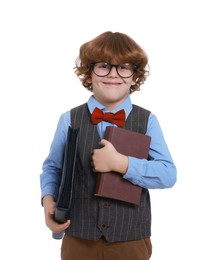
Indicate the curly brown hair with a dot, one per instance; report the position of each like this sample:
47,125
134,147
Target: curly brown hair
116,48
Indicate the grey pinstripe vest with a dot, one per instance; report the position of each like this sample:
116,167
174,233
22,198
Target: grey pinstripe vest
93,217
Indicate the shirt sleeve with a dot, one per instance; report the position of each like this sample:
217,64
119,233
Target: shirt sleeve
159,171
50,177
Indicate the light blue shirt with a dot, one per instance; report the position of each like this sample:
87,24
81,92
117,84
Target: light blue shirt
157,173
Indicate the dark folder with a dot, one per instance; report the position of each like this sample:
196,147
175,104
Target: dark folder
66,187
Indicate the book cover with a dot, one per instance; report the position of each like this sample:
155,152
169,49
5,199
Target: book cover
113,185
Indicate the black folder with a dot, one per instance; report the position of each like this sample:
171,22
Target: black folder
66,187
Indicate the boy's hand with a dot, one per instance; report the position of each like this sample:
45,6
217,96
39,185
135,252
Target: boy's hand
107,159
49,210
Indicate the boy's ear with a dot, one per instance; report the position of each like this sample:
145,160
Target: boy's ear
89,80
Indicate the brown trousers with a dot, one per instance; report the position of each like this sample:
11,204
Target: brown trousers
79,249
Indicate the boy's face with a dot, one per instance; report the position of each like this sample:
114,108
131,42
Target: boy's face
111,90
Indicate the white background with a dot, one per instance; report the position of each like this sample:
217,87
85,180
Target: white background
38,47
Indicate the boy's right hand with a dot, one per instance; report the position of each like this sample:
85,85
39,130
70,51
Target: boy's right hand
49,210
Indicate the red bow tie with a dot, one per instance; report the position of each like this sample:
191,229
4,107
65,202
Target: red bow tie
117,118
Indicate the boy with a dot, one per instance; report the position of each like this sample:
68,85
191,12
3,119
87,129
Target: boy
111,66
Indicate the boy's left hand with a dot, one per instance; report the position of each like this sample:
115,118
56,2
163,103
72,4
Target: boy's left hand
107,159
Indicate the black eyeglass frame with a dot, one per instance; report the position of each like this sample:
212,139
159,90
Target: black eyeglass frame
113,65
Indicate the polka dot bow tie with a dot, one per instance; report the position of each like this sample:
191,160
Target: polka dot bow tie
118,118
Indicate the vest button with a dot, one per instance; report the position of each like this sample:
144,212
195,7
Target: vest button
106,205
104,226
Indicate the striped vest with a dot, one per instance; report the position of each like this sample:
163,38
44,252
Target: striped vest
93,217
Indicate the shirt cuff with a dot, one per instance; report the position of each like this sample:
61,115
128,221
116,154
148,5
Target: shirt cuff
135,169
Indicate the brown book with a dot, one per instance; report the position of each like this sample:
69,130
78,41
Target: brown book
113,185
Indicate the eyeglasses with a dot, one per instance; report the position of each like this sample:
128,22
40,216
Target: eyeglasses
102,69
